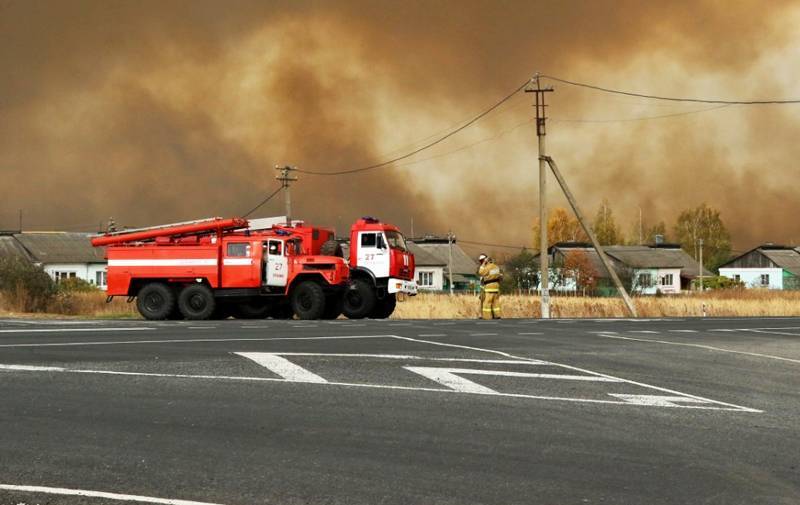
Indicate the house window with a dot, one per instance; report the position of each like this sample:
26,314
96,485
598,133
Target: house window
62,276
101,278
645,280
667,280
239,249
737,277
425,279
765,279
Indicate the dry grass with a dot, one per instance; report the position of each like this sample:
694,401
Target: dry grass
730,303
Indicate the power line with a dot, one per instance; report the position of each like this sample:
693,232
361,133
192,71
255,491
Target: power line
671,99
426,146
265,200
485,244
641,118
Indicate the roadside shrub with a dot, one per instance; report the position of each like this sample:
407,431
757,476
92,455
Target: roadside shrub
76,285
25,287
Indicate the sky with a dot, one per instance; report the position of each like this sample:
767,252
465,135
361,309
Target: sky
161,111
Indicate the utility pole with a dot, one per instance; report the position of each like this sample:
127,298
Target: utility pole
450,260
701,266
541,118
285,179
20,220
641,240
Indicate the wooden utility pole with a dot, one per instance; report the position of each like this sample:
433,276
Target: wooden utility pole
590,233
702,288
541,118
450,260
285,179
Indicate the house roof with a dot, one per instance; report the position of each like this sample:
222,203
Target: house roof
9,246
437,254
59,247
785,257
640,256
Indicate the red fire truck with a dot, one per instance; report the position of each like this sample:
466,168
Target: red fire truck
220,267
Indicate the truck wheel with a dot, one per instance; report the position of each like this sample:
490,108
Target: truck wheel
308,300
333,307
359,299
155,301
252,309
384,308
332,248
196,301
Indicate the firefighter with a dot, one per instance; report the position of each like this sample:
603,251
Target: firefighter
491,276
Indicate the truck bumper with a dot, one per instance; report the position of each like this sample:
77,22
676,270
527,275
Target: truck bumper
402,286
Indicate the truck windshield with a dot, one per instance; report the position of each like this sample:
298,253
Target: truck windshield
396,240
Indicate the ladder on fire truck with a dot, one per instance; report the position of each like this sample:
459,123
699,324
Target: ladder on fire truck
214,224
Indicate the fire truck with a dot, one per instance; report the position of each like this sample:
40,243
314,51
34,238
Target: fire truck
381,266
219,267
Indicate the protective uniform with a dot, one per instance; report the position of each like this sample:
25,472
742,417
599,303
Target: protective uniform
491,276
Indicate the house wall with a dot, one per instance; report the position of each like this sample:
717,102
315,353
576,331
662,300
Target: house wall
751,277
657,278
85,271
438,278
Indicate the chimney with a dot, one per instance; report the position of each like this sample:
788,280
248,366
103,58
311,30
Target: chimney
659,239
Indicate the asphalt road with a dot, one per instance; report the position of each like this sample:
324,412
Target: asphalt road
400,412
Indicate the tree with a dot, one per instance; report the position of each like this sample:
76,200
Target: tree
705,223
520,272
578,266
605,227
561,227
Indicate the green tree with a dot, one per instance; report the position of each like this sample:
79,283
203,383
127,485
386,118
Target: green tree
605,227
704,222
520,272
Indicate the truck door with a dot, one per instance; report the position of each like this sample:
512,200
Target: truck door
373,253
239,268
276,263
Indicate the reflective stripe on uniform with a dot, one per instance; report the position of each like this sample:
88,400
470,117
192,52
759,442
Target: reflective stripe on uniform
488,310
492,290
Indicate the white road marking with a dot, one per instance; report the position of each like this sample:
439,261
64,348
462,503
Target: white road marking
682,331
283,367
410,357
100,494
200,327
723,329
432,335
189,341
443,324
482,334
709,406
701,346
730,406
450,378
525,333
769,331
64,330
657,401
643,331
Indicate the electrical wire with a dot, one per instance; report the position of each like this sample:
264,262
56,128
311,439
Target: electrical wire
265,200
668,98
424,147
641,118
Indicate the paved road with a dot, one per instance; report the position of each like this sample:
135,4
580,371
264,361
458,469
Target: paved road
405,412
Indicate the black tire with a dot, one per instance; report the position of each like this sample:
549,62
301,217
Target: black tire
332,248
155,301
333,306
308,300
359,299
196,302
252,309
384,308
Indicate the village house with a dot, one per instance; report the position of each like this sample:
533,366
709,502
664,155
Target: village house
62,255
432,257
645,269
768,266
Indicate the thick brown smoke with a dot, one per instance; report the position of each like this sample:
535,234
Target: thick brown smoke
162,111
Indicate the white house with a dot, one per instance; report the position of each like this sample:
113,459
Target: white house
62,255
767,266
432,256
648,269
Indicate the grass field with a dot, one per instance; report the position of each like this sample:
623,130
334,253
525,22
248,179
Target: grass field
738,303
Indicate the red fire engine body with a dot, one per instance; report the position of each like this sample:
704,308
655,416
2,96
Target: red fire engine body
219,267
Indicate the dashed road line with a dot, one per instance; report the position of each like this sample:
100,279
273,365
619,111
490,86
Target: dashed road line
482,334
701,346
644,331
432,335
527,333
682,331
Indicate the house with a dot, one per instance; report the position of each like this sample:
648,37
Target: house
62,255
767,266
645,269
432,257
